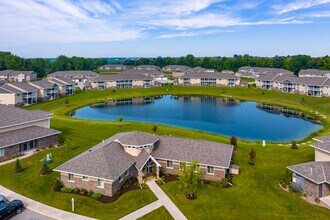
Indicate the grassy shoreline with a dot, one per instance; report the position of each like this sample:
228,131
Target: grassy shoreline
255,186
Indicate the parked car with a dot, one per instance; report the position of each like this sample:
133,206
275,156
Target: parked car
9,209
3,199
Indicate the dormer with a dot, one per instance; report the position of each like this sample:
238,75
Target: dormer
134,142
322,148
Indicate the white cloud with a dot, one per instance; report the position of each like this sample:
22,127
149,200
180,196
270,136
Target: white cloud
193,33
320,14
298,5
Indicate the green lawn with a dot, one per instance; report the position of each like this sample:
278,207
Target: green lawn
254,194
160,213
244,79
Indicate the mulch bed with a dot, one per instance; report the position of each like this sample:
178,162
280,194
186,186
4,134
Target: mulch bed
108,199
170,178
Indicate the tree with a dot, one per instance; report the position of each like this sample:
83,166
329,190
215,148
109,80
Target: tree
233,141
252,155
67,102
120,118
294,145
154,128
45,170
18,168
190,179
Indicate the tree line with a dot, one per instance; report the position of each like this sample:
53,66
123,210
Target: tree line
46,66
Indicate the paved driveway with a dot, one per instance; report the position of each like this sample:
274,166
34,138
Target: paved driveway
30,215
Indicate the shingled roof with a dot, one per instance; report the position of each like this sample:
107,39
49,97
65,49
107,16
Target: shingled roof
120,76
11,116
317,172
323,139
137,138
209,75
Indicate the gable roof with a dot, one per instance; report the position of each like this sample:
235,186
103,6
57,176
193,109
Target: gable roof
209,75
145,72
120,76
138,138
44,84
25,87
317,172
12,116
74,74
313,72
323,139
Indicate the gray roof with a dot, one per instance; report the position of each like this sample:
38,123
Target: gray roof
5,72
120,76
267,77
313,72
318,172
10,89
25,134
208,75
138,138
322,146
3,91
147,66
143,72
313,81
44,84
177,67
265,70
185,149
323,139
12,116
108,159
60,81
25,87
17,72
113,65
74,73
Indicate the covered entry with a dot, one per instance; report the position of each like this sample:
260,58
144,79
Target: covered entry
149,168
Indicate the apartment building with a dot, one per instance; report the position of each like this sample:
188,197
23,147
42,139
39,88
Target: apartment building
113,67
314,73
17,76
208,79
147,67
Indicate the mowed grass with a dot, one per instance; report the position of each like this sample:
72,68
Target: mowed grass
255,193
160,213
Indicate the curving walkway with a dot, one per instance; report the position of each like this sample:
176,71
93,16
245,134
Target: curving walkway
40,208
143,211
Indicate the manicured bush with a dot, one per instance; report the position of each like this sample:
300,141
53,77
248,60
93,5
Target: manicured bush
233,141
18,167
82,191
288,177
154,128
66,190
317,200
283,184
252,155
294,145
118,193
224,182
97,195
45,170
58,185
90,193
120,118
76,190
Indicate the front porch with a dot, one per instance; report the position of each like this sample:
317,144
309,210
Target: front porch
150,170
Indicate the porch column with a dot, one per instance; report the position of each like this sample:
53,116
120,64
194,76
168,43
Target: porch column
140,177
157,172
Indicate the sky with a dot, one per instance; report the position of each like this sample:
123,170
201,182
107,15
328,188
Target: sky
150,28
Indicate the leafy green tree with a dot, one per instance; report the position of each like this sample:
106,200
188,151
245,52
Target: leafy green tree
190,179
45,170
120,118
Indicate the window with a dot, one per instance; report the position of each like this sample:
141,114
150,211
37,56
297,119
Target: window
2,152
71,177
169,164
85,178
120,178
100,183
126,173
210,170
182,165
197,167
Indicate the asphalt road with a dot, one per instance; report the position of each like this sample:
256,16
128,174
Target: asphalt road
30,215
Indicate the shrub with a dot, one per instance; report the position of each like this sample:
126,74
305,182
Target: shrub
224,182
58,185
233,140
294,145
97,195
304,194
120,118
287,177
252,155
67,102
283,184
45,170
90,193
263,93
18,167
66,190
154,128
317,200
82,191
76,190
302,100
118,193
113,90
51,146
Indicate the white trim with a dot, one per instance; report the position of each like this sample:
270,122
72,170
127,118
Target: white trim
26,122
207,172
61,171
72,181
137,146
153,159
320,148
29,140
97,183
86,180
306,177
318,140
168,166
191,161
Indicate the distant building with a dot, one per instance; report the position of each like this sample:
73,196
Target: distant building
152,73
113,67
253,72
314,73
208,79
17,76
175,68
111,81
147,67
22,130
78,76
227,72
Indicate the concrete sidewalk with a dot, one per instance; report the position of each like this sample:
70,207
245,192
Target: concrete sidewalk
165,200
27,154
42,208
143,211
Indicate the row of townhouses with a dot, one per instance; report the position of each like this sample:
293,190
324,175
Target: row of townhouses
17,76
312,86
27,93
22,130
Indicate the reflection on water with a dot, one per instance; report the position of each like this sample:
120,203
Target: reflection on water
243,119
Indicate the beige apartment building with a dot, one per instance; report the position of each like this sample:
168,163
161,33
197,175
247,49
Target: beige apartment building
208,79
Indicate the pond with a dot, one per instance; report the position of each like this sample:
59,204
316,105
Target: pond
243,119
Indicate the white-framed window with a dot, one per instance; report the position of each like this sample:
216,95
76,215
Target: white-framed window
126,173
2,152
85,178
71,177
197,167
210,170
169,164
100,183
120,178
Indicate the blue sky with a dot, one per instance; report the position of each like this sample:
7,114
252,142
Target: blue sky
109,28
